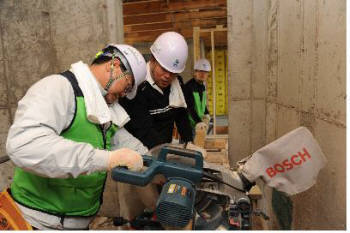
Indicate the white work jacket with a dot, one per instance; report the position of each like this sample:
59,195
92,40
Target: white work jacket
35,145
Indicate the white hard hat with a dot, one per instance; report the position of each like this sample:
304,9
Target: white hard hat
203,65
170,50
137,65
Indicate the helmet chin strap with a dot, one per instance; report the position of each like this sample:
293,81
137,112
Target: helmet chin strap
111,79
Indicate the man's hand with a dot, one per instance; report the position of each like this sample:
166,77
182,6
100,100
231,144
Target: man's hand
125,157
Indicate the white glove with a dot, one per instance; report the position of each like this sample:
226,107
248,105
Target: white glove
201,126
206,119
125,157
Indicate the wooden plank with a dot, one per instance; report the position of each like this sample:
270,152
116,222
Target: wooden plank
150,36
175,16
174,26
132,8
213,78
196,49
202,23
199,137
218,157
221,129
136,37
149,27
211,136
217,29
258,223
215,143
200,14
255,193
147,18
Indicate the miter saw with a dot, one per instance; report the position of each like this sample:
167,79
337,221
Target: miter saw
196,195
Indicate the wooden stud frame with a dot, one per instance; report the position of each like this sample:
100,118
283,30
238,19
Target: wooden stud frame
196,55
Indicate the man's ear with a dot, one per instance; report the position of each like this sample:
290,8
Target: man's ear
152,62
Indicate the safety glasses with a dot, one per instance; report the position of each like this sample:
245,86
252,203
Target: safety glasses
130,85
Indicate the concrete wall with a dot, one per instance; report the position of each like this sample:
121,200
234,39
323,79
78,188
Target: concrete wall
41,37
287,69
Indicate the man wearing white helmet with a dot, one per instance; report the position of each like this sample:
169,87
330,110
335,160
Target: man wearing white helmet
195,93
160,100
62,136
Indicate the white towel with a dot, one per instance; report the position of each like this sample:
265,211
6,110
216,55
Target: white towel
176,97
97,110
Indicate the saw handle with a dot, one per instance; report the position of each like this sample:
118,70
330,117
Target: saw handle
122,174
162,166
196,155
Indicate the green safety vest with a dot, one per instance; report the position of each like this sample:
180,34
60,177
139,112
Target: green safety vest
199,106
79,196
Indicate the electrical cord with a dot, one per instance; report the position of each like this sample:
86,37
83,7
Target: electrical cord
217,179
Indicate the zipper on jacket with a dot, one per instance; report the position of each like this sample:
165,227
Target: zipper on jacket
103,136
103,131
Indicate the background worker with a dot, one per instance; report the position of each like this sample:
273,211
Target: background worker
196,96
160,101
64,128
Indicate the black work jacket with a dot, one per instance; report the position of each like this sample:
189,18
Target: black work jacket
152,119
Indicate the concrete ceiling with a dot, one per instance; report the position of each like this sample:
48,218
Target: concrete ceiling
145,20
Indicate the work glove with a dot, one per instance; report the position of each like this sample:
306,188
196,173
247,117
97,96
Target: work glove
206,119
201,126
125,157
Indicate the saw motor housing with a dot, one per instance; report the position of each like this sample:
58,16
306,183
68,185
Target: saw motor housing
175,206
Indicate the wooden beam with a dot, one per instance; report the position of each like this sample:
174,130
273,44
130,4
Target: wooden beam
196,46
131,8
220,38
202,23
213,79
215,143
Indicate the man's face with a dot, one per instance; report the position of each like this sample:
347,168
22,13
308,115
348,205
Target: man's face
201,76
161,76
120,87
